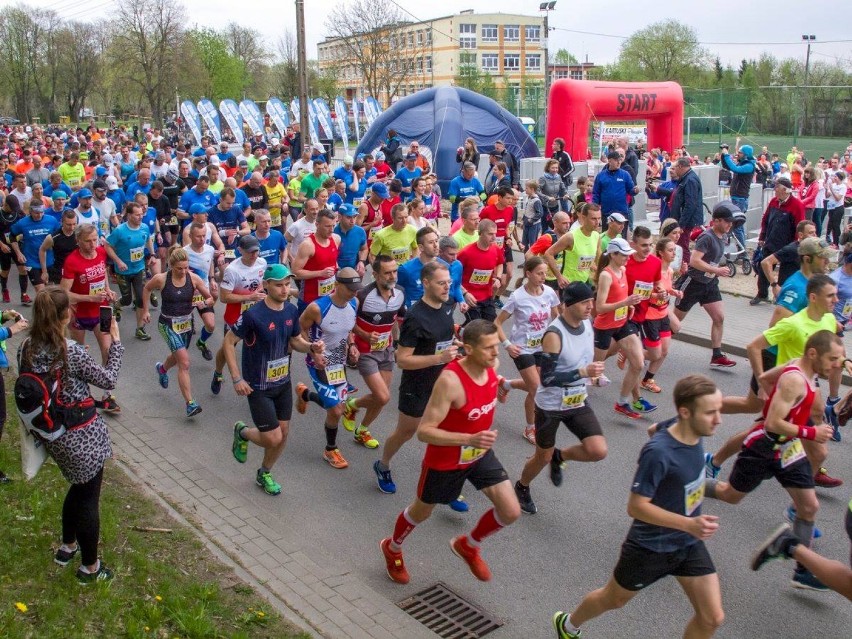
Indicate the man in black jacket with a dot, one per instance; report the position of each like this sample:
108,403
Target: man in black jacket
511,162
687,202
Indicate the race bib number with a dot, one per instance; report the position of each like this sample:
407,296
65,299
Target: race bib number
97,288
440,347
585,262
326,286
620,313
357,202
230,254
182,324
573,397
469,454
198,299
245,306
847,308
277,369
534,338
643,289
480,276
791,452
500,241
693,495
335,375
136,254
382,343
710,276
173,221
400,255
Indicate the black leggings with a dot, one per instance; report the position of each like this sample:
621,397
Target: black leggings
81,517
835,217
2,404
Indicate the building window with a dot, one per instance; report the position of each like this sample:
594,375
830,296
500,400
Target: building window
533,62
428,36
560,75
419,38
489,62
489,33
467,36
577,74
511,33
532,33
428,64
410,39
511,61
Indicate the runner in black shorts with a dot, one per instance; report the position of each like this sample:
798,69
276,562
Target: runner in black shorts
774,448
426,343
62,243
11,213
567,366
270,332
668,531
457,430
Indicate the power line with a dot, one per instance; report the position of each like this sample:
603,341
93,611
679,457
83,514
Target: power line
739,44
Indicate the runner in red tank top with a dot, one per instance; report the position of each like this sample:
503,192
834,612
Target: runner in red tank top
316,261
457,429
774,447
503,214
370,211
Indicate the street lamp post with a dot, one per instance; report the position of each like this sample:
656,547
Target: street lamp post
800,121
546,7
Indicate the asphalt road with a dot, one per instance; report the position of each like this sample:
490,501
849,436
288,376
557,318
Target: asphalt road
542,563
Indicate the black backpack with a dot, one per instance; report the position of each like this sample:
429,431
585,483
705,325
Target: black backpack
39,406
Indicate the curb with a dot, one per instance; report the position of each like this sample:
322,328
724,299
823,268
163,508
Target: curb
290,615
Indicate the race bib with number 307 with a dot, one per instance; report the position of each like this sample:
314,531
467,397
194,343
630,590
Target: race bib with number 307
277,369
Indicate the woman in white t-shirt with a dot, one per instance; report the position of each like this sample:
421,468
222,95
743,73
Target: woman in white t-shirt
532,307
416,214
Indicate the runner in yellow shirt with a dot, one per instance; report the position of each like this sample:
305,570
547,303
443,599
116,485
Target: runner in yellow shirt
397,240
277,198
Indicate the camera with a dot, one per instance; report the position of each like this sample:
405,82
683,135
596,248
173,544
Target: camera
724,147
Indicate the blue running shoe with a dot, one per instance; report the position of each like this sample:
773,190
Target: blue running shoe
164,376
711,470
830,415
805,580
216,384
384,479
642,405
459,505
192,409
790,515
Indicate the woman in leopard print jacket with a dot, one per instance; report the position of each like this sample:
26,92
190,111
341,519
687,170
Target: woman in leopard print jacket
79,453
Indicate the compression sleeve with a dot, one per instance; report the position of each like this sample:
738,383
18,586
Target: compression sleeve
551,378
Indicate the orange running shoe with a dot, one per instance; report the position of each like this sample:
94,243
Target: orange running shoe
472,558
394,563
335,459
301,404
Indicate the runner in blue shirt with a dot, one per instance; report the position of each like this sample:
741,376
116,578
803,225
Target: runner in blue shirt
407,174
27,235
229,221
199,194
273,244
408,275
463,186
352,251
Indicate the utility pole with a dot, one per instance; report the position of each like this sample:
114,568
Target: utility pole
800,128
302,64
546,8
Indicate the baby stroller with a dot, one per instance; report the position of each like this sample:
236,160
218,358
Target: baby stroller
734,251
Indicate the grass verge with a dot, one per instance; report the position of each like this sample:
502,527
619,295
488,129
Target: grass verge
166,584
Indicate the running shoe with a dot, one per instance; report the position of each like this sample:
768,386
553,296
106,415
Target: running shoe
824,480
711,470
525,499
471,556
627,411
155,302
756,300
621,360
26,300
394,564
559,620
216,383
651,386
350,414
459,504
335,459
844,410
109,405
163,373
301,402
722,361
790,515
529,434
265,481
804,580
642,405
835,433
364,438
6,297
103,574
384,479
777,546
142,335
206,353
192,408
3,478
63,557
240,445
557,464
830,414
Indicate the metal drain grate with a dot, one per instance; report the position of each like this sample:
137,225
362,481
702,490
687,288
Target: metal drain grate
448,615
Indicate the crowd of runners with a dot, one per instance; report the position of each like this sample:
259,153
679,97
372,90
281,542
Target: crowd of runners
381,280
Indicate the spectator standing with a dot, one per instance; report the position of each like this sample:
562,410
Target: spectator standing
687,203
612,186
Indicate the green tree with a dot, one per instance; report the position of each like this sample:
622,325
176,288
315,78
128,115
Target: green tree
563,56
667,50
226,74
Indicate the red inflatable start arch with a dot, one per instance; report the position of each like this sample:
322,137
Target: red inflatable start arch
573,103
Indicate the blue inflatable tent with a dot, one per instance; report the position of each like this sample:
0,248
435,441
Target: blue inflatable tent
441,118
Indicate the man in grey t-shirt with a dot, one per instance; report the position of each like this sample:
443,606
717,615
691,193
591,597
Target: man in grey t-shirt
700,285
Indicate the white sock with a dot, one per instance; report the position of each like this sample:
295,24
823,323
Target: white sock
91,572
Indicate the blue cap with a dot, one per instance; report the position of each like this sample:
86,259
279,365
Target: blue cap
348,210
101,171
381,189
198,207
83,193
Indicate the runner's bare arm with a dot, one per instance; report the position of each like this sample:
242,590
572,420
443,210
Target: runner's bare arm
447,392
640,507
789,390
